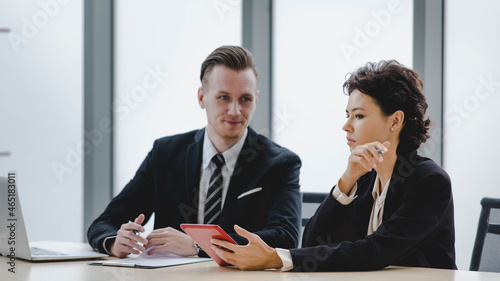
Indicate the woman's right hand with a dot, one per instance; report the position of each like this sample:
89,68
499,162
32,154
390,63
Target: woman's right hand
362,160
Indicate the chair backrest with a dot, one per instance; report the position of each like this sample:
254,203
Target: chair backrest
486,252
310,202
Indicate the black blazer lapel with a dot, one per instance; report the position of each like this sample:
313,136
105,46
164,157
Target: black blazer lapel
243,171
403,169
193,163
363,204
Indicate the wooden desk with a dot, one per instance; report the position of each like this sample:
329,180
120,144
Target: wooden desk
80,270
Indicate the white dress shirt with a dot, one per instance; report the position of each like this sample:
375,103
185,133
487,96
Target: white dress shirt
208,168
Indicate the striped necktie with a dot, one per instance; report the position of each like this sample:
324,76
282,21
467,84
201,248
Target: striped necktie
213,203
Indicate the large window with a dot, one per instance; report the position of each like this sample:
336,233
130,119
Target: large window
160,46
472,97
316,43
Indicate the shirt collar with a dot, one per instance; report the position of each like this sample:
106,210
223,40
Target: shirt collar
376,190
230,155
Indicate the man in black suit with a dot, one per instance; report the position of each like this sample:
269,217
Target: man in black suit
223,174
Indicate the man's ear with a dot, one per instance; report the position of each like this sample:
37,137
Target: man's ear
201,96
256,96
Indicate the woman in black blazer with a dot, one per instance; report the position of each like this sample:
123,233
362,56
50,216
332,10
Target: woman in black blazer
390,207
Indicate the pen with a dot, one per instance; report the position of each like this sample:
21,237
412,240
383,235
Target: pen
135,231
123,264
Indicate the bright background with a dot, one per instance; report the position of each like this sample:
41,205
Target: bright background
41,92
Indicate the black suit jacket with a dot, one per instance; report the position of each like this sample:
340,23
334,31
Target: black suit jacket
167,184
417,226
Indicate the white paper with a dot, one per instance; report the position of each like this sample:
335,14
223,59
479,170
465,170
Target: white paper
155,260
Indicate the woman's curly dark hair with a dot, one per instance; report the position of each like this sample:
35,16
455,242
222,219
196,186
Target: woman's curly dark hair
395,87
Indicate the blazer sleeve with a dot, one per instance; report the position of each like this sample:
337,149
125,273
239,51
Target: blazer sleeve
282,226
424,207
133,200
338,227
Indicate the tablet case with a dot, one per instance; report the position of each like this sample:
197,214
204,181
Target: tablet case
202,233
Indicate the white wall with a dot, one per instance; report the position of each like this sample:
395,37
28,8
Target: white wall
316,43
471,106
41,112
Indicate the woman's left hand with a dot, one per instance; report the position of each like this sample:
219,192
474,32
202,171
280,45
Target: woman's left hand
255,255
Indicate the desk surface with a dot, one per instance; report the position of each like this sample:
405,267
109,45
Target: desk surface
80,270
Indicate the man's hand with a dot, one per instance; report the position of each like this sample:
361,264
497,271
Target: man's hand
255,255
127,242
171,240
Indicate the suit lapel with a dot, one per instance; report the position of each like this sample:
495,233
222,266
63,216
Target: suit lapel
243,171
403,169
364,203
193,164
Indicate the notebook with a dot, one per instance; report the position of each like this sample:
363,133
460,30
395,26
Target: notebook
14,238
156,260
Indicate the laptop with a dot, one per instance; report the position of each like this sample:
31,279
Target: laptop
14,238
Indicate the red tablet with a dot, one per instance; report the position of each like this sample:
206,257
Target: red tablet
202,233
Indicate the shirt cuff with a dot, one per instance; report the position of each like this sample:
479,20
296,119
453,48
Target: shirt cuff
344,199
286,259
104,244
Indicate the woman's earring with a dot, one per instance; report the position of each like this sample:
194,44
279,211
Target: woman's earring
392,129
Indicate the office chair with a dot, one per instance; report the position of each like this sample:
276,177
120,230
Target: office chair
310,202
486,252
